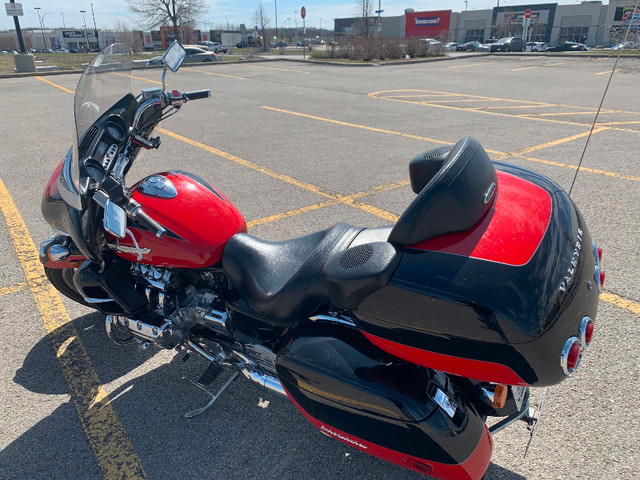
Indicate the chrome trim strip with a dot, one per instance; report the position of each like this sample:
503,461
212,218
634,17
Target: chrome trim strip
65,185
329,318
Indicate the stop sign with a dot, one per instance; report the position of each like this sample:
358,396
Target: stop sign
527,13
303,12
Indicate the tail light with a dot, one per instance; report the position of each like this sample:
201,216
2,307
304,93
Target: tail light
586,331
598,275
571,355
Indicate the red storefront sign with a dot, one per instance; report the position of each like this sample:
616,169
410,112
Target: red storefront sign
427,24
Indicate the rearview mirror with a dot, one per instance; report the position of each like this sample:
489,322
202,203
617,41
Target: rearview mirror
115,219
174,56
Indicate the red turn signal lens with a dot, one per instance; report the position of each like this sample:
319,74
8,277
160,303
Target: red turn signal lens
573,359
601,278
571,355
586,331
599,254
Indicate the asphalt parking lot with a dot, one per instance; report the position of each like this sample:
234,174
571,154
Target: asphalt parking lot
298,147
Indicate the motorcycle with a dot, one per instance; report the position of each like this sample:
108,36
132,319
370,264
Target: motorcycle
415,342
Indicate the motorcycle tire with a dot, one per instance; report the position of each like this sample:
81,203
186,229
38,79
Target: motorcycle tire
62,280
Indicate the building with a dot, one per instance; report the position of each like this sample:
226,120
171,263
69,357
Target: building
590,22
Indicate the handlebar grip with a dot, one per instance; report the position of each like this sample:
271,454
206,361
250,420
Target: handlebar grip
198,94
147,222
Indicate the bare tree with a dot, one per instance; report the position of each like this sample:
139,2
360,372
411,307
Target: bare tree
262,21
363,11
155,13
126,36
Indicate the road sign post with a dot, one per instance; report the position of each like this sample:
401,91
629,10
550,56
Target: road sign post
303,14
15,10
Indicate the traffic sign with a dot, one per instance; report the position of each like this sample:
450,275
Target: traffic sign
528,13
14,9
303,12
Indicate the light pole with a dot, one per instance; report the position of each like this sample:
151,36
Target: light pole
62,15
86,38
94,26
44,41
276,7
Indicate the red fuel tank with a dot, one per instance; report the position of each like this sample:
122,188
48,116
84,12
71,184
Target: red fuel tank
199,222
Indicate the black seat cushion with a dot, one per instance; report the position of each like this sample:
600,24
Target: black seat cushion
459,195
281,280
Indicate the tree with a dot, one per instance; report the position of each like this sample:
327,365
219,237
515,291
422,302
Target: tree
156,13
262,21
363,11
127,36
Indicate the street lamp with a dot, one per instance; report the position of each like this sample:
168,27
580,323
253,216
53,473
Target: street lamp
86,38
40,19
94,26
62,15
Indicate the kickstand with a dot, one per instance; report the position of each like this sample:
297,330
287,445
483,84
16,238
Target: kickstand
533,419
198,411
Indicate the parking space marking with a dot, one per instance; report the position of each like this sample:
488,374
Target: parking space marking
497,154
345,199
12,289
621,302
106,434
524,68
472,65
274,68
354,125
447,103
559,141
137,78
54,84
341,199
211,73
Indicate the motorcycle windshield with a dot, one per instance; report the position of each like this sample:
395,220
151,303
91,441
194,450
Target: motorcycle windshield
105,81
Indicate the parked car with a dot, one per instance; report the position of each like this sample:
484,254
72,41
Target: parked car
568,47
194,55
536,47
471,46
451,46
508,44
247,42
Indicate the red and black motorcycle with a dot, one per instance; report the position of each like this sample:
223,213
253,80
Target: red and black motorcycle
401,341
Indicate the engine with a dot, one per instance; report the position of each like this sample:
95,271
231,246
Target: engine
178,300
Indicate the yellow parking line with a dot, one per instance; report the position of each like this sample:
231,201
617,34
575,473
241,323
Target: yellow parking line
561,114
573,167
472,65
54,84
498,107
137,78
279,69
211,73
620,302
354,125
560,141
108,439
604,73
291,213
492,152
524,68
12,289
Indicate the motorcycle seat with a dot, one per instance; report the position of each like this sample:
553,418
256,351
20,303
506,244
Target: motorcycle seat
453,199
279,281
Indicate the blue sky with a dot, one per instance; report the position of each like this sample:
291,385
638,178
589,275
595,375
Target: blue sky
232,11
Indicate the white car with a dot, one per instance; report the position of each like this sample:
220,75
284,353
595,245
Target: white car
536,47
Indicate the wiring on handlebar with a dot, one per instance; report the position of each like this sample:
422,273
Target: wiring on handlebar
163,117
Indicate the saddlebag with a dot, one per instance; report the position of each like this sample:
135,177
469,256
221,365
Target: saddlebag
403,413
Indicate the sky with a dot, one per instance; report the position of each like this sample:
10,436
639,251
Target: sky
319,13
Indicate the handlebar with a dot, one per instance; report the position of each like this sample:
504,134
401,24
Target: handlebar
198,94
136,213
